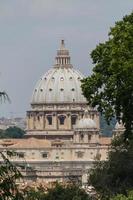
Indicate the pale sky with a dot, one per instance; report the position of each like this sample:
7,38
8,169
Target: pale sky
30,33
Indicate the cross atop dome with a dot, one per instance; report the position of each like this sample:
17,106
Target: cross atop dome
63,57
62,46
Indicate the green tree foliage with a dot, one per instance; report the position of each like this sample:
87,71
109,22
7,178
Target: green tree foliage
12,132
123,197
9,174
38,193
8,177
116,174
110,87
4,96
69,192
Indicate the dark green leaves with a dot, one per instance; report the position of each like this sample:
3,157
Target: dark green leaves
12,132
9,175
110,87
116,174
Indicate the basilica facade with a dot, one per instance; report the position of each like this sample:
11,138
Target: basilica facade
63,133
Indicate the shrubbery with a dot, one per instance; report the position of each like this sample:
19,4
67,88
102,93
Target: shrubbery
12,132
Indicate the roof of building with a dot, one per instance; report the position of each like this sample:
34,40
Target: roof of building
25,143
34,143
61,84
105,140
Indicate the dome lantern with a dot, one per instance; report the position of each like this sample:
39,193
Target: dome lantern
63,58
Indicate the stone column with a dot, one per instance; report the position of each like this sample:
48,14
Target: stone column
77,137
97,119
31,121
54,121
85,137
69,125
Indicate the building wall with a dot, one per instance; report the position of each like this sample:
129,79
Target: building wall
61,164
75,153
37,117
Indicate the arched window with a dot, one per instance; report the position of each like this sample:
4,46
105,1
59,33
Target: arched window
62,119
49,118
73,119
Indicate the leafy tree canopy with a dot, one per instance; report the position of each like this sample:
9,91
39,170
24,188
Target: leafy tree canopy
4,96
110,87
9,175
60,192
12,132
116,174
123,197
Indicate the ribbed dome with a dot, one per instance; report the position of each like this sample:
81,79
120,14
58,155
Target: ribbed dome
61,84
86,122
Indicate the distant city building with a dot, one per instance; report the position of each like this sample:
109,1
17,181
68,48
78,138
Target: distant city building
11,122
63,134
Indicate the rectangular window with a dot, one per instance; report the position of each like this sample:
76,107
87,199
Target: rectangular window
62,119
80,154
49,118
45,155
20,155
89,137
73,119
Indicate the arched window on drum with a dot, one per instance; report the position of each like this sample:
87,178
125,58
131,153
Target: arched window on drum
62,119
49,118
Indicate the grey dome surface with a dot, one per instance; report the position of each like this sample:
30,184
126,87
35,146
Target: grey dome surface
61,84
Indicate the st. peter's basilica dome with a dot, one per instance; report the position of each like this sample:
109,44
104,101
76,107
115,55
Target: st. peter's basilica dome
61,84
58,105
